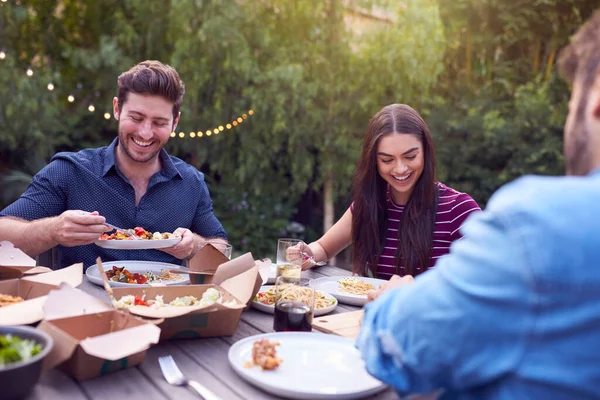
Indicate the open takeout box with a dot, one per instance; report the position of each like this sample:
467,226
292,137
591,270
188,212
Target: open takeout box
91,338
238,281
15,264
34,290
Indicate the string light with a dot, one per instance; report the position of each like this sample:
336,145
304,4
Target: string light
91,108
181,134
251,112
50,86
192,134
71,98
228,126
106,116
239,120
2,54
199,134
29,71
208,133
173,134
235,123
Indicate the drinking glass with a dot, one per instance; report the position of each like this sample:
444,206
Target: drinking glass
289,264
224,248
294,306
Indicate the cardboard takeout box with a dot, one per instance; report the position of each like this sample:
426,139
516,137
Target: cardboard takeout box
34,290
91,338
15,264
238,281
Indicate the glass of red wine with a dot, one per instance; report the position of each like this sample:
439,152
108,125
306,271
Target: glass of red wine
294,306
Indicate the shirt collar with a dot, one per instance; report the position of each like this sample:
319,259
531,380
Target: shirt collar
168,168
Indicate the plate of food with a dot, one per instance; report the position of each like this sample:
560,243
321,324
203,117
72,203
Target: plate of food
351,290
303,365
137,239
265,300
137,273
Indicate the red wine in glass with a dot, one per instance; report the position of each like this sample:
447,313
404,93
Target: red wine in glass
292,316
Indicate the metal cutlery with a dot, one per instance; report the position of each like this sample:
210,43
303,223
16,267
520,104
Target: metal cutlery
174,376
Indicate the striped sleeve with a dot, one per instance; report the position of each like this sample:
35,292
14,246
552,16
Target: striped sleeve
463,207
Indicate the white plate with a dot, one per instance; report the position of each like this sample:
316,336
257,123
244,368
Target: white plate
272,274
330,285
315,366
271,309
140,267
141,244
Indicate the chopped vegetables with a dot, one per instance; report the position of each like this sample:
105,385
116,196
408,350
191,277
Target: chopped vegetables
138,232
14,349
209,297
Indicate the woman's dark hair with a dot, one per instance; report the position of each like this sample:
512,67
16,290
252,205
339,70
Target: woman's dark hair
369,222
152,77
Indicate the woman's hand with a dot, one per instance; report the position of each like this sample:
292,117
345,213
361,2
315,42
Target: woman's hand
395,281
300,254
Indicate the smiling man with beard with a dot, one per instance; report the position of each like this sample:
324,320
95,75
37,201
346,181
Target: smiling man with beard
513,311
132,182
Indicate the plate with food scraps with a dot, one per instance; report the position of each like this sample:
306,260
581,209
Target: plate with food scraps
137,239
330,366
265,300
153,272
351,290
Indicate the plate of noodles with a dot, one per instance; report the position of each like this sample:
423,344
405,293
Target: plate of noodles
351,290
137,273
265,299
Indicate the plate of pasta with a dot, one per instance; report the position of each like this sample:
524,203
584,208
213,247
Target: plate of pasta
137,273
265,300
351,290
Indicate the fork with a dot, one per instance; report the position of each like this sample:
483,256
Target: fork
173,376
125,231
311,259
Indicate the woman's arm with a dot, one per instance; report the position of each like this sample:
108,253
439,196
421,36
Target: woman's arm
332,242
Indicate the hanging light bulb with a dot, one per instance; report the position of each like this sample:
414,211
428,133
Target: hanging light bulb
29,71
106,116
91,108
2,54
239,120
192,134
71,98
251,112
173,134
181,134
51,86
228,126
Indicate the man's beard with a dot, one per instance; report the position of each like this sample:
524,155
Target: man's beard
577,149
124,143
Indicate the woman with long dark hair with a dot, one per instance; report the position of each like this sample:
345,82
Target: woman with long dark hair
401,219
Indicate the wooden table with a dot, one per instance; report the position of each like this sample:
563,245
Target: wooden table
203,360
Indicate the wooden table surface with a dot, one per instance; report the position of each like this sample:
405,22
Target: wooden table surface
203,360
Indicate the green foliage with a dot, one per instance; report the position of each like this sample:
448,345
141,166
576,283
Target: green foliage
480,72
253,222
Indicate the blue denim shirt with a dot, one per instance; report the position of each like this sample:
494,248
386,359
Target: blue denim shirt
513,312
89,180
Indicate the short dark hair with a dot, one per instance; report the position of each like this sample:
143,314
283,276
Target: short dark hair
581,58
155,78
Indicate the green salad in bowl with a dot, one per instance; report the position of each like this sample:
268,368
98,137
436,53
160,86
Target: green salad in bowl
14,349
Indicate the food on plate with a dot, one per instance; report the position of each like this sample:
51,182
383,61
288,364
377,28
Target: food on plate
354,285
294,293
7,299
14,349
120,274
138,232
264,355
210,297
